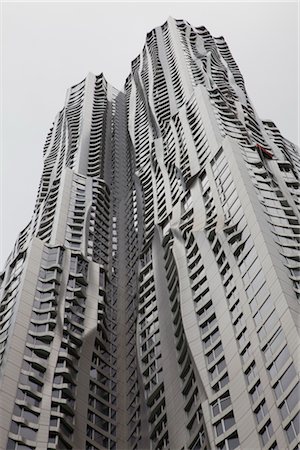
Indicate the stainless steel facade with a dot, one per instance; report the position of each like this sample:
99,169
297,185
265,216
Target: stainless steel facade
152,301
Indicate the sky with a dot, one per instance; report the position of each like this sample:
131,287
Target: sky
48,47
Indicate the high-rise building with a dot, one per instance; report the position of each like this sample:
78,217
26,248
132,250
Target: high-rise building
151,302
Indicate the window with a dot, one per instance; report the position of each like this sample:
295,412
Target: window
251,372
208,324
274,446
251,273
290,402
256,391
89,446
211,356
285,380
274,344
229,443
97,420
30,381
221,383
279,362
211,338
13,445
246,353
224,424
261,411
198,442
255,285
268,326
292,430
242,338
217,369
101,407
23,430
221,404
28,397
260,296
26,414
266,432
263,311
97,437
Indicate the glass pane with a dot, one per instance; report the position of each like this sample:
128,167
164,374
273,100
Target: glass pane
229,422
233,443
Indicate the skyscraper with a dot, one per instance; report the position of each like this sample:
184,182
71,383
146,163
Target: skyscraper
151,302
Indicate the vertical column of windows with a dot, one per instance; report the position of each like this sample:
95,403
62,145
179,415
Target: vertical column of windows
48,213
150,353
226,54
190,389
212,346
288,151
145,70
50,159
62,149
252,276
98,128
76,214
281,217
101,426
184,157
160,191
197,131
252,126
239,233
261,305
148,212
132,254
9,292
227,120
187,213
217,69
160,96
174,174
61,424
24,425
73,121
142,135
173,68
209,204
193,58
99,222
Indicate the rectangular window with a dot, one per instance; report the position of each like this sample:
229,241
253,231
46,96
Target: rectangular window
251,372
221,404
266,432
268,326
285,380
292,430
279,362
224,424
261,411
290,402
229,443
217,369
256,391
274,344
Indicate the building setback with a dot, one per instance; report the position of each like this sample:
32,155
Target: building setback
151,302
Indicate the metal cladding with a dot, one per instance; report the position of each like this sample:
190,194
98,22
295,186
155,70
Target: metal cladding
151,302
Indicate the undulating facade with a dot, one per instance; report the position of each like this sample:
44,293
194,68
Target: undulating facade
153,300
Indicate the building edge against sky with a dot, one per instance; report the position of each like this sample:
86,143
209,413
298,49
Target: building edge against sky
152,300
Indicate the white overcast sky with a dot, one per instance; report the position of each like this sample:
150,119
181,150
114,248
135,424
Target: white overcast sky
47,47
